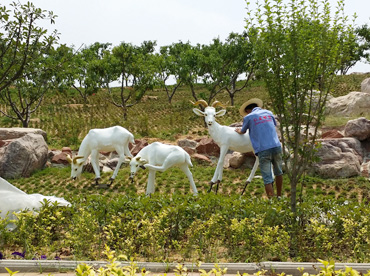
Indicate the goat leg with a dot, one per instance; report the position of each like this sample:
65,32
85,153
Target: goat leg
210,187
111,181
246,184
218,183
97,180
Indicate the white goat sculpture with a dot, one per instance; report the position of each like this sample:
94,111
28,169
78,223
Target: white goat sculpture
160,157
110,139
226,138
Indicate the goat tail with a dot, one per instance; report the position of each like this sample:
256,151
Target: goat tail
188,160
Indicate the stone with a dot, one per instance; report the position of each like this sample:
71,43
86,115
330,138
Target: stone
339,158
139,145
365,85
186,143
23,155
201,157
18,132
208,146
352,104
236,160
60,158
333,133
358,128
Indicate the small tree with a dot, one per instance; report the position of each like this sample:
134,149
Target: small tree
25,70
225,63
135,69
300,48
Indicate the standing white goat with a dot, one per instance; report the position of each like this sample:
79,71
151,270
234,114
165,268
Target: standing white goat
110,139
160,157
226,138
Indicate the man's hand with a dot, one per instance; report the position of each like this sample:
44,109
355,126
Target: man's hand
239,130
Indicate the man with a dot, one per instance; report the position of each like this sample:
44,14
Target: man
265,141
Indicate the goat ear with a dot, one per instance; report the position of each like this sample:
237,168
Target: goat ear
69,159
143,161
198,112
127,159
220,113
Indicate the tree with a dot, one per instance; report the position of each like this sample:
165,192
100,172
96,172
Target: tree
86,69
222,64
363,36
21,40
25,70
135,69
300,47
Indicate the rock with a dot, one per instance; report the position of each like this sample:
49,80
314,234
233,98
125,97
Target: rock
352,104
365,85
365,170
139,144
201,157
23,155
60,158
208,146
186,143
333,133
339,158
190,151
236,160
18,132
67,150
358,128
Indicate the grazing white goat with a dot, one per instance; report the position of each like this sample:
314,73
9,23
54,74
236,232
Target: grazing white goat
160,157
226,138
110,139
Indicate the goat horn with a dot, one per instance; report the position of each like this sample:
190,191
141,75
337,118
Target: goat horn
201,102
76,158
69,159
217,103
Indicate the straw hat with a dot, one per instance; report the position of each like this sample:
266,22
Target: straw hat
256,101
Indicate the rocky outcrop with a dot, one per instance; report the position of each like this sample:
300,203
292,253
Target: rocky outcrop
358,128
352,104
339,158
19,157
365,85
18,132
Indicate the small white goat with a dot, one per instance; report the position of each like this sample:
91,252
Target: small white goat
226,138
109,139
160,157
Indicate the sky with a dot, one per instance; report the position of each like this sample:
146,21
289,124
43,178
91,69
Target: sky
84,22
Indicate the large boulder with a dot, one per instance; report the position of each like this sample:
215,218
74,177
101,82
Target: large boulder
339,158
18,132
352,104
358,128
365,85
22,156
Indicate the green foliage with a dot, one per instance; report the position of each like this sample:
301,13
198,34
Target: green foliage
301,46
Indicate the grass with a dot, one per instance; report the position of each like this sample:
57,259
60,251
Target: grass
67,119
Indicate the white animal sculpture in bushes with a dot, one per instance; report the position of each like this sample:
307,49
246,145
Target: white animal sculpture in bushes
110,139
15,200
226,138
160,157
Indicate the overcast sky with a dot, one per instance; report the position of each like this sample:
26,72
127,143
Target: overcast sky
83,22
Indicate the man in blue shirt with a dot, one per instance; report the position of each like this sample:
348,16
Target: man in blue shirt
265,141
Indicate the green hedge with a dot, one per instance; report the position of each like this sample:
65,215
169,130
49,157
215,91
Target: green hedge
210,228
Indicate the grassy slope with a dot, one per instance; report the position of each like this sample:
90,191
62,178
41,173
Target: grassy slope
67,120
